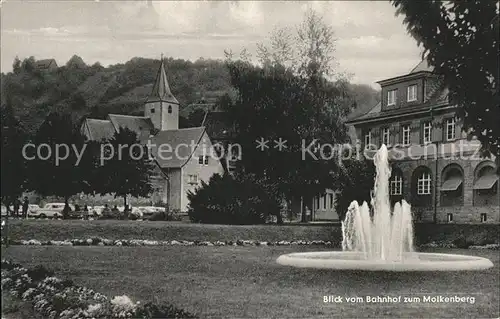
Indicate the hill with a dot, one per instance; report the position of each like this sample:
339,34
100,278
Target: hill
122,88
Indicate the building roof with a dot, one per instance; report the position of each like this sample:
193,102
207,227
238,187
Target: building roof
99,130
423,66
436,95
173,148
45,63
161,90
138,124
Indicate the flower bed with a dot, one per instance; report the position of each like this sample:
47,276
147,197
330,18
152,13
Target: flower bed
96,241
145,242
54,298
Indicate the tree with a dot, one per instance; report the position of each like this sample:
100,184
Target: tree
16,65
354,182
28,64
129,168
308,52
13,164
275,105
461,40
64,176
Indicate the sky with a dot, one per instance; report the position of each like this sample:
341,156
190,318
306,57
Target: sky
372,43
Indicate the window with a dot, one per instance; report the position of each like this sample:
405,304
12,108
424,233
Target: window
427,132
424,184
324,201
450,129
170,109
368,138
331,200
391,97
412,93
449,217
483,218
406,135
193,179
203,160
152,110
385,136
396,185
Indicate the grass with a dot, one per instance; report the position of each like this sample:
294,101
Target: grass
246,282
118,229
124,229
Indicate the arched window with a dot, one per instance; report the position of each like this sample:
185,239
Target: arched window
170,109
396,185
486,185
422,187
452,189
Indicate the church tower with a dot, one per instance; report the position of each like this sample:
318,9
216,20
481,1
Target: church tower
161,106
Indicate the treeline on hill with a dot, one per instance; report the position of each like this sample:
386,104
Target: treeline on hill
94,90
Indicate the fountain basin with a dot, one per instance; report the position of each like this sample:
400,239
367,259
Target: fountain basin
343,260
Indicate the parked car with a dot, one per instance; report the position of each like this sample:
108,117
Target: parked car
33,208
95,211
50,210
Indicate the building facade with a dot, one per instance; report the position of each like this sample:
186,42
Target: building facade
436,167
183,157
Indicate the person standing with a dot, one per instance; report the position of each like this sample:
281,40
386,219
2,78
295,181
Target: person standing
25,207
16,207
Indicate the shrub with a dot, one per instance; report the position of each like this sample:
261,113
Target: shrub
462,242
172,215
241,200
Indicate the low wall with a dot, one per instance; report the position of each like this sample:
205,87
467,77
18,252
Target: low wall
112,229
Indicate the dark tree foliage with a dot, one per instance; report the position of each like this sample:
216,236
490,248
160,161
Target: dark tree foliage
273,104
16,65
129,168
234,201
63,177
13,164
461,39
354,181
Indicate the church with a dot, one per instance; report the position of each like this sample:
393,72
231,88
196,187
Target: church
190,161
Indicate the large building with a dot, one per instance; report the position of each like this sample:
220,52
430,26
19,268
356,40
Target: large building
436,166
188,160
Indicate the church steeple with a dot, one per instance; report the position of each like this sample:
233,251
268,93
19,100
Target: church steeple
161,89
161,106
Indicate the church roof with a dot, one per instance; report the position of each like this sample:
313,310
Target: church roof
177,146
138,124
98,130
161,90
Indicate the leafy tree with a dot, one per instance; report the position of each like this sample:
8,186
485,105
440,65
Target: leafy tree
16,65
307,52
129,168
275,104
461,39
13,164
354,182
28,64
48,175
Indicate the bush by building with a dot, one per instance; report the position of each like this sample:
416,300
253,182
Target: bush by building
240,200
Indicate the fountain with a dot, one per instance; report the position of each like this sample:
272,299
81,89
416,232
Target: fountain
382,241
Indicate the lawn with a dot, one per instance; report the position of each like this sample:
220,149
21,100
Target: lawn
245,282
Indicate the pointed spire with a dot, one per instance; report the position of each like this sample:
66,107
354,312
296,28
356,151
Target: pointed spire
161,89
